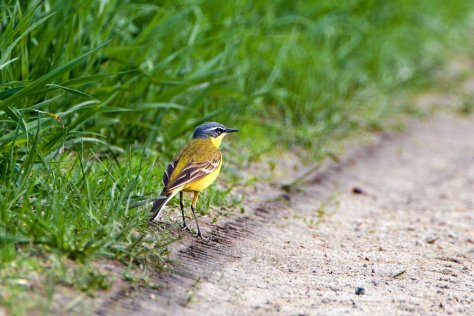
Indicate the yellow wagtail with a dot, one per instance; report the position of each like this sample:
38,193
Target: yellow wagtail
194,169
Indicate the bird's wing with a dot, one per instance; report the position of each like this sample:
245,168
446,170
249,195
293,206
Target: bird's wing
169,171
191,172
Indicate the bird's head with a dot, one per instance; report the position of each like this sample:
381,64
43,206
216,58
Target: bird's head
214,131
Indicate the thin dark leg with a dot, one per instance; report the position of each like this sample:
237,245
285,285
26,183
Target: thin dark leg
197,224
193,206
181,204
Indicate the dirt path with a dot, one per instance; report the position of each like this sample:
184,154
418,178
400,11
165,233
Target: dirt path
395,219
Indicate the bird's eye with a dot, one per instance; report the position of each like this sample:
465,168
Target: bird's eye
219,130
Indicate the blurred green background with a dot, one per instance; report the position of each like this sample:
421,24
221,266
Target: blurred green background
97,96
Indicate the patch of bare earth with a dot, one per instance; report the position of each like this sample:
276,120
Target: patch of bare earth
389,229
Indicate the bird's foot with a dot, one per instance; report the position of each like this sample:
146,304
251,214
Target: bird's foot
184,227
200,236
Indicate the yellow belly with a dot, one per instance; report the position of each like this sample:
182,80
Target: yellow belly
204,182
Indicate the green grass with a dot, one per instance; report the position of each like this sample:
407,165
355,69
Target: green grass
97,96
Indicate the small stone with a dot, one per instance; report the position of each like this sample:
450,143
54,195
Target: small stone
360,291
356,190
430,239
453,235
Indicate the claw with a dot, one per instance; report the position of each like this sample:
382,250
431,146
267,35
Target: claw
200,236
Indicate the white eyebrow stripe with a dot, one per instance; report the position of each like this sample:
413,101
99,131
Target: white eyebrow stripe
213,128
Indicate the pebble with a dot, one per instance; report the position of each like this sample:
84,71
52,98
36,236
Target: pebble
453,235
431,239
356,190
360,291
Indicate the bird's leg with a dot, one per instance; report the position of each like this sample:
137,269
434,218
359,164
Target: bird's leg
181,204
193,206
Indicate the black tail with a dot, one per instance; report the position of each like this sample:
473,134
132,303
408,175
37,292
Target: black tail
158,205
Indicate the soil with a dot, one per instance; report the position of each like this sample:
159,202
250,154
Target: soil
388,229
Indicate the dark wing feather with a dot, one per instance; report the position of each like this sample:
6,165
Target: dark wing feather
169,171
194,171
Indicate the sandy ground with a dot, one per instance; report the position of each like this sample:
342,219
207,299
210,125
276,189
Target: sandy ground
395,219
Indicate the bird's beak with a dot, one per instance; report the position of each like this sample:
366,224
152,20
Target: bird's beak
231,130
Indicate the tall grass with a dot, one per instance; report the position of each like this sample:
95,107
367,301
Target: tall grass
95,97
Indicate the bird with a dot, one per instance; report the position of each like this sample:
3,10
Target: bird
194,169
